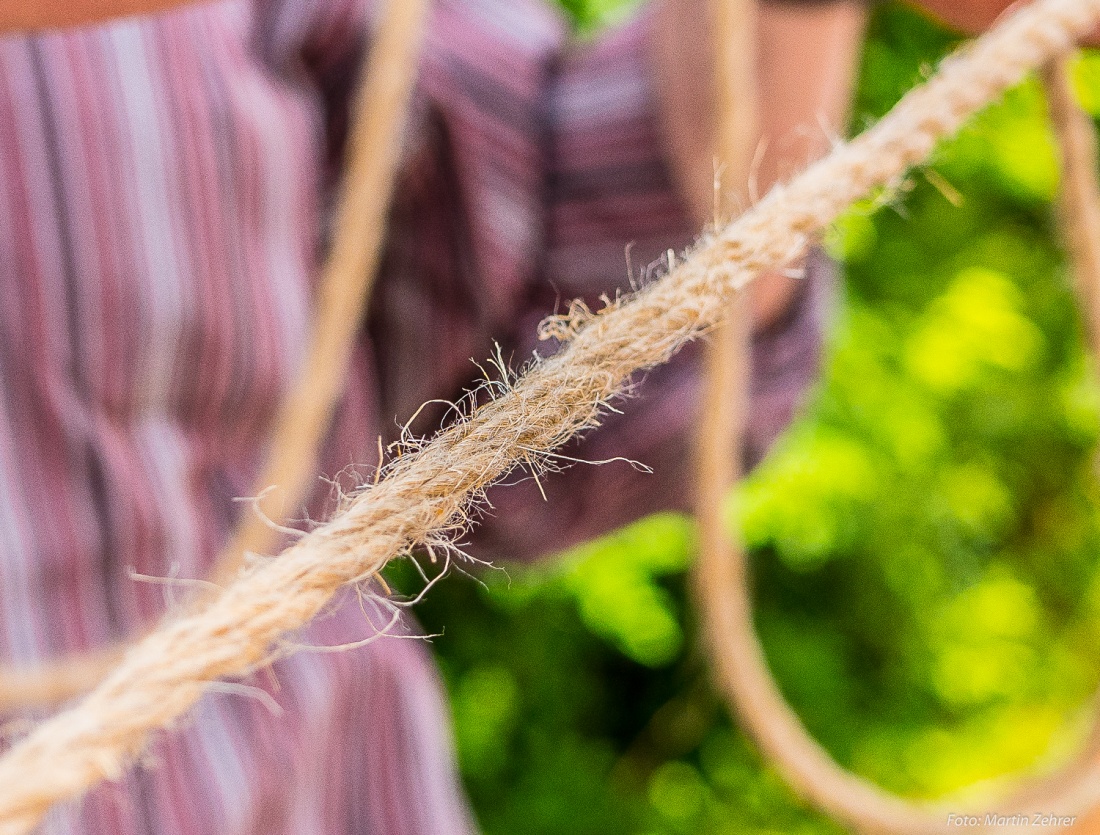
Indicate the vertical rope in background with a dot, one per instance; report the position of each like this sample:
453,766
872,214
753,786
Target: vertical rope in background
1079,216
724,408
727,356
290,472
1079,195
722,583
373,157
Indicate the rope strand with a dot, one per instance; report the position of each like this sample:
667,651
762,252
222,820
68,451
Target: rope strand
427,493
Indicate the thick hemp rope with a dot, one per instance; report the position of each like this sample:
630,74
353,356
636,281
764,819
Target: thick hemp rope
722,582
373,157
425,495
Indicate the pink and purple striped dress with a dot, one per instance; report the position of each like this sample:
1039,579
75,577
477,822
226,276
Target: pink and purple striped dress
164,188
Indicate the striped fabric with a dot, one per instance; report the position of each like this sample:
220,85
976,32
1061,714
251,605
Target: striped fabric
164,188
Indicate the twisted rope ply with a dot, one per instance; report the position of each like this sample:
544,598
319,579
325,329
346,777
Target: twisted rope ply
722,583
427,493
373,155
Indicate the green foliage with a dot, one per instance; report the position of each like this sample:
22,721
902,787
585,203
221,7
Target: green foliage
589,15
923,537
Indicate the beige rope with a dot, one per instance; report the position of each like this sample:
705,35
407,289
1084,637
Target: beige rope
373,154
726,360
724,406
1079,196
1079,209
424,495
722,573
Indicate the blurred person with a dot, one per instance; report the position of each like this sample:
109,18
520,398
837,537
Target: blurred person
166,171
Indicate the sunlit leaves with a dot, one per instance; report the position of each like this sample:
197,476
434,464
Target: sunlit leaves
978,325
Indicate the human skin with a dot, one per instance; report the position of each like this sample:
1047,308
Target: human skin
51,14
974,16
807,57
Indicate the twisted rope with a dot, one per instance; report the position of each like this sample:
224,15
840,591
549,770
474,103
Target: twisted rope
424,495
373,156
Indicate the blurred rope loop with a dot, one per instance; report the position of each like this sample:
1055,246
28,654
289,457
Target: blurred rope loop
722,583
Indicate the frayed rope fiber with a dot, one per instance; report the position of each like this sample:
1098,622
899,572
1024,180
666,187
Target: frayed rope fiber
426,494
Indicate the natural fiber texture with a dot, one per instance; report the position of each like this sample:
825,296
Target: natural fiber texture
722,581
425,495
373,156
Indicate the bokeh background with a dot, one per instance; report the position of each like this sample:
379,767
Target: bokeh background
925,537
